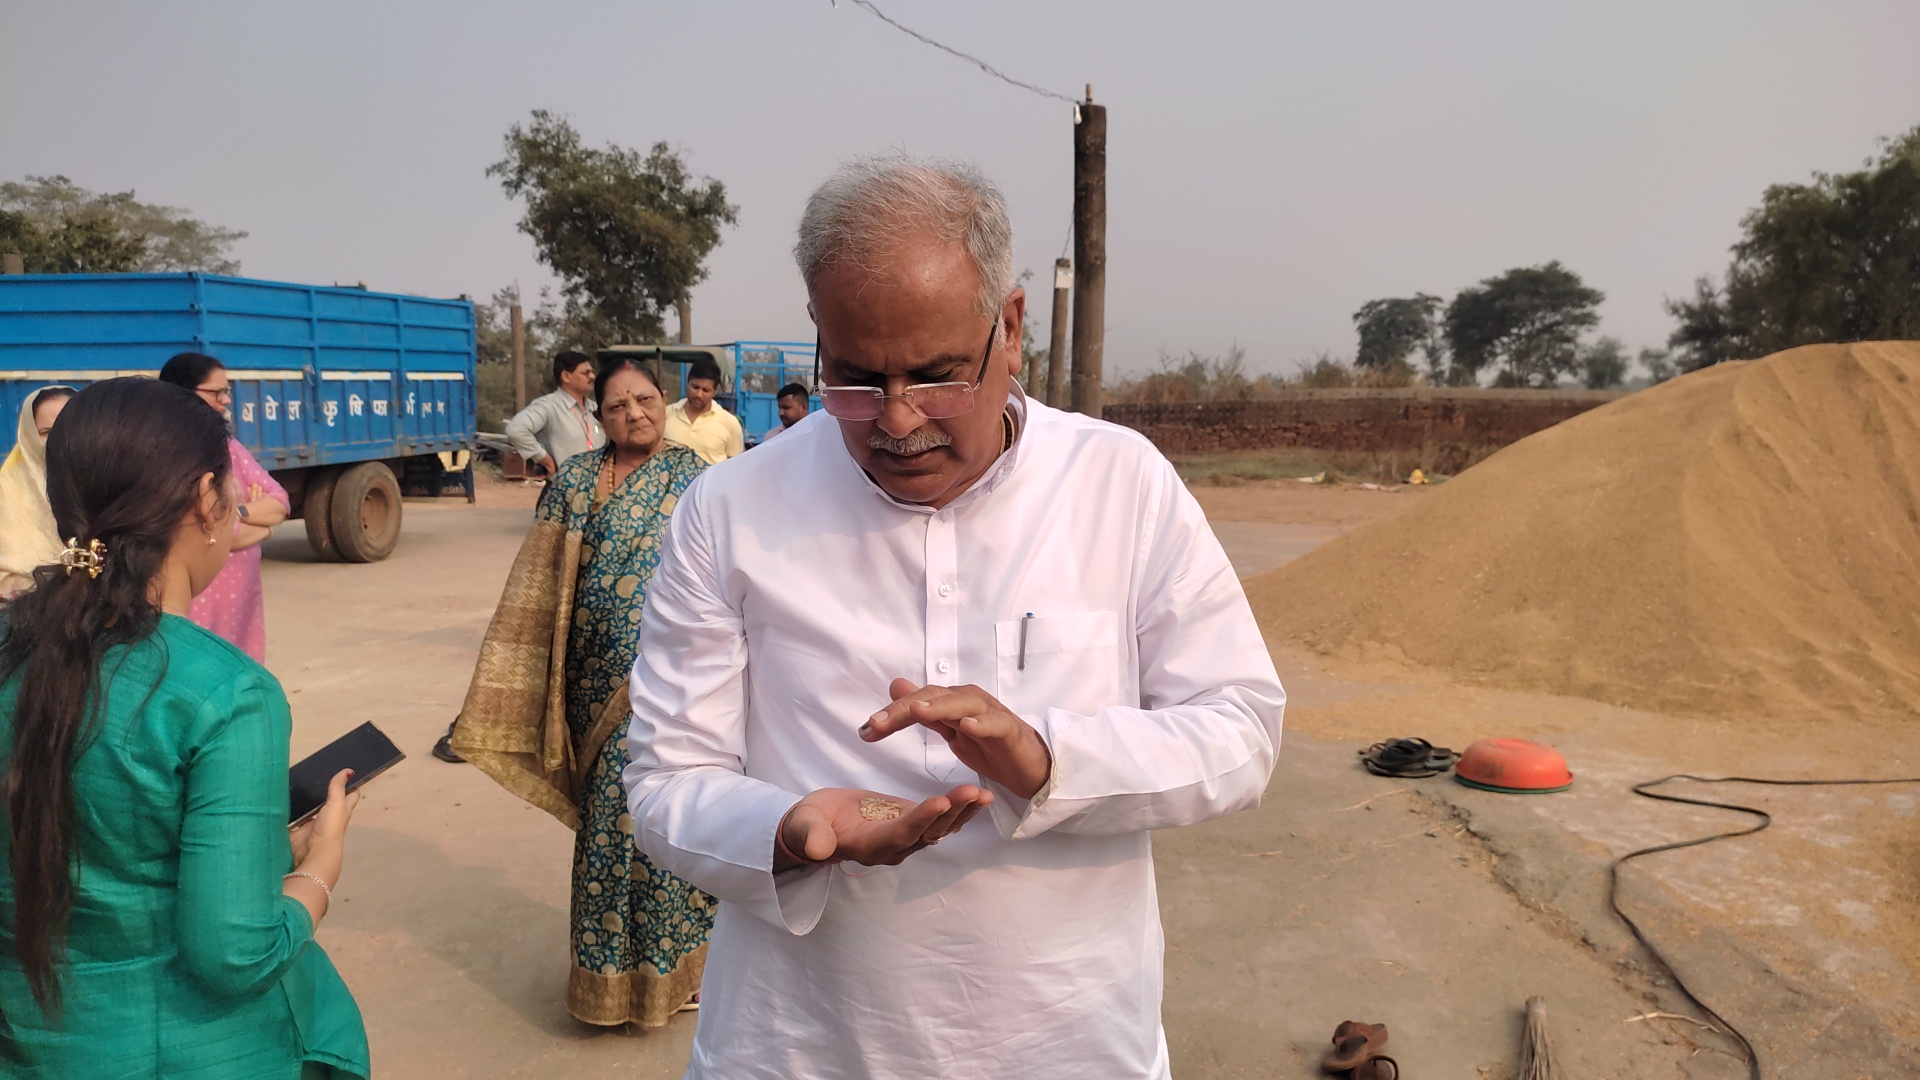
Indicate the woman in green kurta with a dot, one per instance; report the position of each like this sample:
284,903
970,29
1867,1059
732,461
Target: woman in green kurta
547,713
146,927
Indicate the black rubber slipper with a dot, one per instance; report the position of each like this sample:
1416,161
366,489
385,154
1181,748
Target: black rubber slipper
1407,759
444,748
1378,1067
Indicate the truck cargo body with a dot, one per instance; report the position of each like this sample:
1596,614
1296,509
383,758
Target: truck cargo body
759,370
331,386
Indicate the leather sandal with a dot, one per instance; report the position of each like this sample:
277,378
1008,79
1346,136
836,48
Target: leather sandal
1355,1046
1407,759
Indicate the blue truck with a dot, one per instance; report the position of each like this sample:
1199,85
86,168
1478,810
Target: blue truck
348,397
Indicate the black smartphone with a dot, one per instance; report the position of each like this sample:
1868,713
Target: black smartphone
366,750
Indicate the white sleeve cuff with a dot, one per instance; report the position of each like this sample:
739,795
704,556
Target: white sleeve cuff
802,897
732,860
1014,817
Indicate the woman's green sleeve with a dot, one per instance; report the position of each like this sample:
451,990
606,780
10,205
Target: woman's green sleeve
238,932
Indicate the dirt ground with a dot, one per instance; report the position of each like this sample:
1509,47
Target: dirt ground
1344,896
1803,936
1806,936
1293,502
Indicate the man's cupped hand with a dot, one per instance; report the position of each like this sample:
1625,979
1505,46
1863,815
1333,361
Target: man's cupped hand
828,826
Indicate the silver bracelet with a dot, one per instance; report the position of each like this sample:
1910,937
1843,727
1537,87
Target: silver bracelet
325,889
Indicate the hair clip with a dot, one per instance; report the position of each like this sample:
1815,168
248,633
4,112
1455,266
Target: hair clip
86,558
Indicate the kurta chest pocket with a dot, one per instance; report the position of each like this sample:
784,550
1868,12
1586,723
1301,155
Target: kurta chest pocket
1063,661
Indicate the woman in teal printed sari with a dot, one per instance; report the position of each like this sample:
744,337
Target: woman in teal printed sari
638,934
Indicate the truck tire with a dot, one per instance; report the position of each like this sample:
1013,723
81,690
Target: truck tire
316,509
365,515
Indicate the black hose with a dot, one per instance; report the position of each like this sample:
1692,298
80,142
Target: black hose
1766,819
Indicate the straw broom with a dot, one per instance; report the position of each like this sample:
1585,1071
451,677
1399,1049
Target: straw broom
1536,1049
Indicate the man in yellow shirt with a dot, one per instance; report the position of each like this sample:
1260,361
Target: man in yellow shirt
696,423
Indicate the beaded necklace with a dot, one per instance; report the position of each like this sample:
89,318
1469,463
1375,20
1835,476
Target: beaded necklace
606,473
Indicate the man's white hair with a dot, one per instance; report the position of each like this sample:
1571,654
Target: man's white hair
869,205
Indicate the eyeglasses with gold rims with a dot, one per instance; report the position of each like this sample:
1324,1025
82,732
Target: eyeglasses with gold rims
933,400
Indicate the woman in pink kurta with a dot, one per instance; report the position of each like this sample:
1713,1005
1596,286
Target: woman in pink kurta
234,605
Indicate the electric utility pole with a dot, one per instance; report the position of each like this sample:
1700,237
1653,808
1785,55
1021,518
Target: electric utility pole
1089,252
519,357
1055,387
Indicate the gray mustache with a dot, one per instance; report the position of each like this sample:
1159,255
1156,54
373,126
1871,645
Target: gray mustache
918,441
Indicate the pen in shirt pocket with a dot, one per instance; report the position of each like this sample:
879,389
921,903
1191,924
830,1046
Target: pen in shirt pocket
1022,664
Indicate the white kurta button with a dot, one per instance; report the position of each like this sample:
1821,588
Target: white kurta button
946,590
945,667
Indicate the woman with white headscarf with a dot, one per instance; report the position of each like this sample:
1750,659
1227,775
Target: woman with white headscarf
27,536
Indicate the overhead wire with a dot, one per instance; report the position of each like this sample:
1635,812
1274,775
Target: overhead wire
974,60
1766,819
1066,245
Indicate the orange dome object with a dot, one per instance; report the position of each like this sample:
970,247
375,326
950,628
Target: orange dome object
1513,766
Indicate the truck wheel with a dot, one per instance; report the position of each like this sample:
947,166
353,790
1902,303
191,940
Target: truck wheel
316,508
365,515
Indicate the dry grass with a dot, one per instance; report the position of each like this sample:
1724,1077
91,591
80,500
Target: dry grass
1230,467
1194,378
1247,466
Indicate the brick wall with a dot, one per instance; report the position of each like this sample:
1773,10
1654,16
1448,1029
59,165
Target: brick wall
1448,424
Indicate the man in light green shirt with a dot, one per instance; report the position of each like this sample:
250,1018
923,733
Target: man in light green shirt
554,427
701,426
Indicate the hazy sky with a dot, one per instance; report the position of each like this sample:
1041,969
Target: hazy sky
1271,166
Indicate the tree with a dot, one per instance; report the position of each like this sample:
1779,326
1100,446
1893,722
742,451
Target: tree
1528,319
63,228
83,243
1659,365
1834,260
544,323
1604,364
627,234
1390,331
547,332
1707,333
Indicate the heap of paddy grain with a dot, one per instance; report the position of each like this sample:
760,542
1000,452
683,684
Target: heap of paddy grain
1739,542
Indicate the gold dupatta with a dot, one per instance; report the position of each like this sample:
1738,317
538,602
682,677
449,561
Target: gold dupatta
513,725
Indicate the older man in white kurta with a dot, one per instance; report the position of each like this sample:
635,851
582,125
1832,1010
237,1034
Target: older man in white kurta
1074,588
